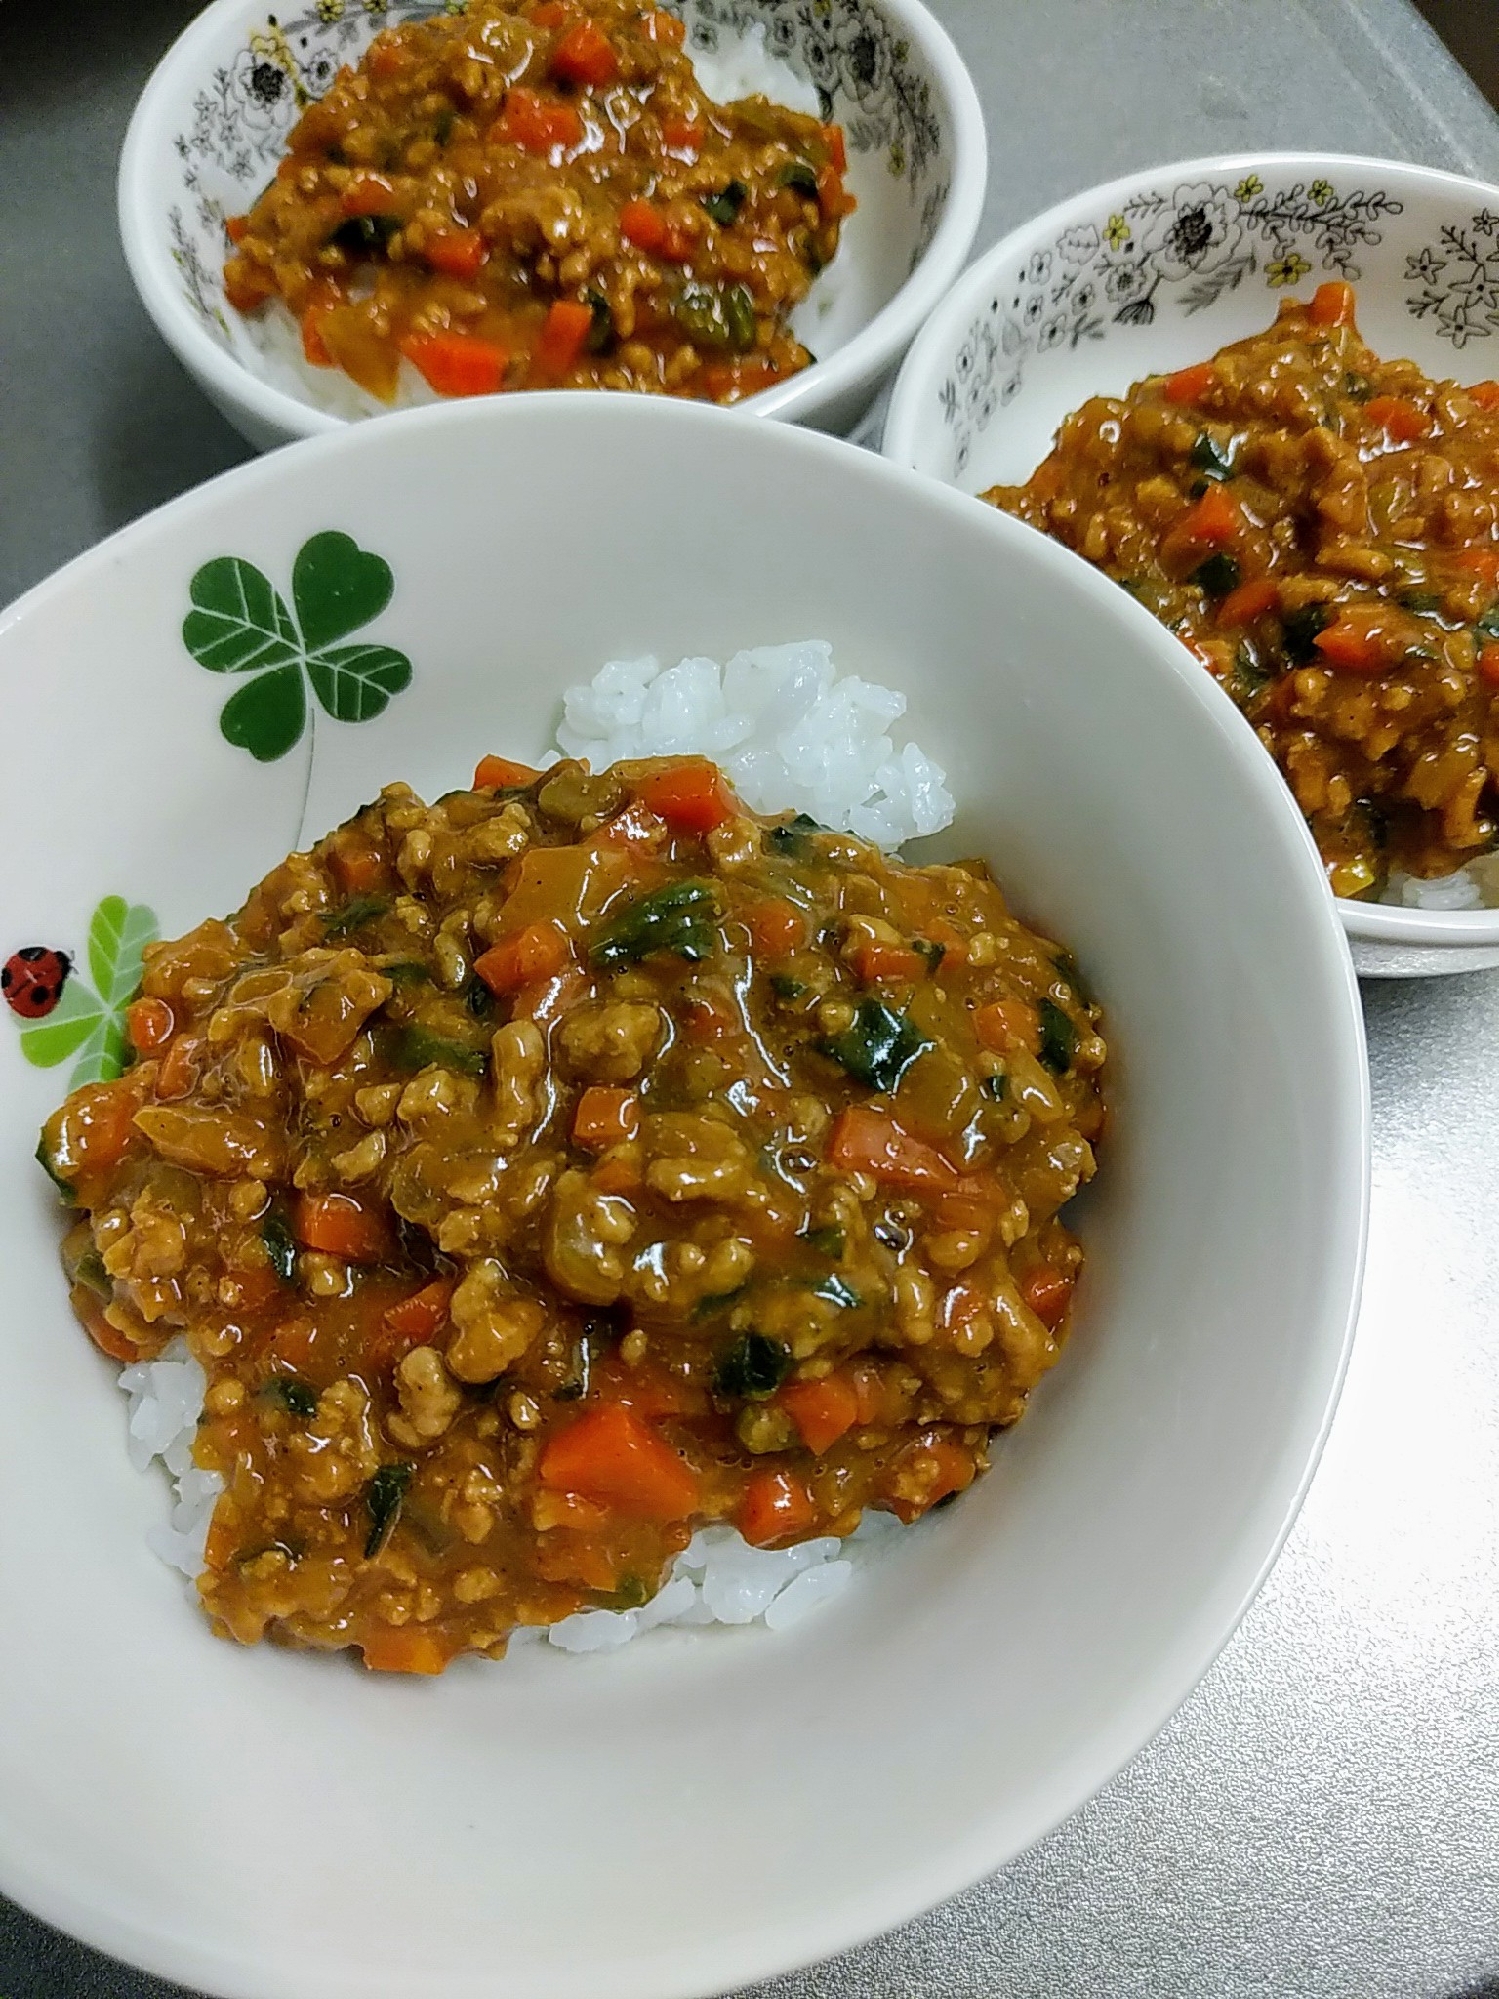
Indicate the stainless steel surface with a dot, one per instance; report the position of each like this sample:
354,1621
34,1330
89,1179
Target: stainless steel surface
1322,1818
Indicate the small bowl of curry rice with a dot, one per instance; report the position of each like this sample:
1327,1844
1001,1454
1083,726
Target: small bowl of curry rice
341,210
1261,393
629,1181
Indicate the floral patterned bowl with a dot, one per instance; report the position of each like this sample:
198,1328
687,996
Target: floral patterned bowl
212,124
1160,269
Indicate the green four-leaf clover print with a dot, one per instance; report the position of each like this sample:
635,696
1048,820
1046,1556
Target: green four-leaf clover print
240,623
89,1021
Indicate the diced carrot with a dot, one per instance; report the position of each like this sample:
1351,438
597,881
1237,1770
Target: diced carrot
535,123
605,1115
247,285
831,199
929,1470
745,375
551,14
613,1456
665,28
404,1648
875,958
1485,394
1480,562
775,1506
458,252
500,774
107,1338
367,194
634,827
707,1016
223,1539
179,1068
296,1342
385,58
681,134
255,1288
585,55
237,228
691,795
643,225
149,1023
776,928
864,1140
567,325
457,364
1488,665
1250,601
418,1317
821,1410
1351,648
340,1225
1333,304
619,1173
837,150
314,347
1047,1292
1008,1024
538,952
357,868
1212,521
1190,385
1398,417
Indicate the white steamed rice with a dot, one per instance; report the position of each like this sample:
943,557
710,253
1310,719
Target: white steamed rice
789,732
269,341
794,737
1474,887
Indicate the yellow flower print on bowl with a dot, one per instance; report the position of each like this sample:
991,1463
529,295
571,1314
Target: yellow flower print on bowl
1287,270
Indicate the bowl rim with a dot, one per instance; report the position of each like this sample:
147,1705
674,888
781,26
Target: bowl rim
1196,1641
1385,923
868,354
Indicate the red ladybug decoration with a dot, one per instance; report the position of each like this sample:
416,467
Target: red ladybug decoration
32,980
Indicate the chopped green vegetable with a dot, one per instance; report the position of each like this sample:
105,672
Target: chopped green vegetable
1300,629
600,335
44,1160
718,317
630,1595
828,1241
833,1288
300,1397
1209,456
790,840
280,1244
1488,625
442,128
1217,575
365,233
716,1303
724,206
785,987
1250,674
1357,386
1426,601
1058,1037
383,1496
995,1086
678,919
479,1000
752,1369
1067,965
879,1047
354,915
90,1270
413,1048
800,175
407,972
930,949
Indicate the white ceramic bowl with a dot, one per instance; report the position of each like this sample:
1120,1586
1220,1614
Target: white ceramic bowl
1162,268
704,1808
211,125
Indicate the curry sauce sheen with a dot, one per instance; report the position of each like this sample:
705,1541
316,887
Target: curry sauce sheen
544,1173
1321,527
542,196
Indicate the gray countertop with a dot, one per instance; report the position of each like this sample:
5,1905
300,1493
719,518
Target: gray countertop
1322,1817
